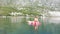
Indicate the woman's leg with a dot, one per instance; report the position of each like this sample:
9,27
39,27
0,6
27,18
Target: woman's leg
36,27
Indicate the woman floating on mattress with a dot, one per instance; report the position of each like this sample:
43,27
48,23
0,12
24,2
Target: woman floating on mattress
34,23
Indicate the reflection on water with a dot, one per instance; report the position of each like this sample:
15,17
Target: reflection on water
55,20
18,25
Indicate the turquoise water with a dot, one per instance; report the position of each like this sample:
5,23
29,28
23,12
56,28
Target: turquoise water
6,27
26,29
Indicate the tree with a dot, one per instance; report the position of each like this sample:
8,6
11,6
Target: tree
6,10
